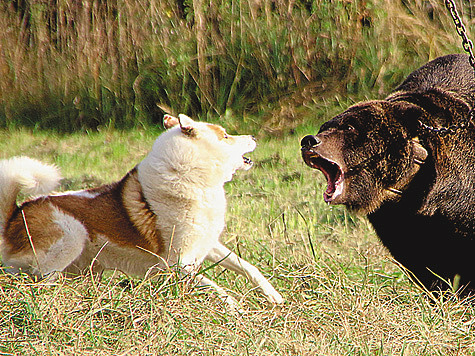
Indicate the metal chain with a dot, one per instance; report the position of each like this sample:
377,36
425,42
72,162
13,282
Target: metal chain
467,45
459,26
451,129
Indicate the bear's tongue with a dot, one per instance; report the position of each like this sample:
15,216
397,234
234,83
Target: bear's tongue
332,173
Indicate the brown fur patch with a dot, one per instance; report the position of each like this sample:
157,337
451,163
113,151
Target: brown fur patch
36,222
119,212
106,214
220,132
140,212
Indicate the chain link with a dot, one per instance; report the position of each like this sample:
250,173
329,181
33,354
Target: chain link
467,45
443,131
459,26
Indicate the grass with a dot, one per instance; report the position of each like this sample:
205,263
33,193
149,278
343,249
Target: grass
264,67
268,68
344,294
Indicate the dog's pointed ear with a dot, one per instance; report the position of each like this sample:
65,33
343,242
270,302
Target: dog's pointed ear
170,121
186,125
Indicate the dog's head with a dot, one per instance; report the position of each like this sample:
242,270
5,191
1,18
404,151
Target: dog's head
367,154
207,149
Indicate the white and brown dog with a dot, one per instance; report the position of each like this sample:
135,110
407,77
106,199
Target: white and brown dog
167,211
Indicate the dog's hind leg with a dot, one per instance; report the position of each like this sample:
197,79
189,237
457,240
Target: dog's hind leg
61,254
226,258
44,258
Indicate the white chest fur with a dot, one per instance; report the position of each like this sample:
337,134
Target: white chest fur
190,216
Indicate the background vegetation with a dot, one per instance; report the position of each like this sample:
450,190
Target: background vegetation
82,64
83,69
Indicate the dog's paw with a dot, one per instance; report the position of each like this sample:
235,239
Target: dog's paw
275,297
233,306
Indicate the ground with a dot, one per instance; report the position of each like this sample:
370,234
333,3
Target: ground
344,293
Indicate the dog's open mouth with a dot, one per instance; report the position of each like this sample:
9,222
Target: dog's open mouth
247,163
332,172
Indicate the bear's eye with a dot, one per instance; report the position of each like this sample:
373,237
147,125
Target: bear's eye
348,127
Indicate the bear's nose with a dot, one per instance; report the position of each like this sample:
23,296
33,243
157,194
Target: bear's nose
310,141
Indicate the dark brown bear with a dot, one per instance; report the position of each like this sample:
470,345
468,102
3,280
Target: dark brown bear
417,185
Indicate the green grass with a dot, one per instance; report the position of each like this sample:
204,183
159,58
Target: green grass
344,294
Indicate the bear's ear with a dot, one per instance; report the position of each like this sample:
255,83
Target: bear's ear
170,121
186,125
408,115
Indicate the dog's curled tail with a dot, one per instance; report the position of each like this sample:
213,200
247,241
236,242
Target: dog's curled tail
27,175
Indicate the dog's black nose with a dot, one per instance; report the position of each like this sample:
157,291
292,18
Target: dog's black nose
310,141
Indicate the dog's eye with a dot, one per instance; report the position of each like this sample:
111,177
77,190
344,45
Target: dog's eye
225,136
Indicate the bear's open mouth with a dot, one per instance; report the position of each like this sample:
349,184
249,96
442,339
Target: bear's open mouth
332,172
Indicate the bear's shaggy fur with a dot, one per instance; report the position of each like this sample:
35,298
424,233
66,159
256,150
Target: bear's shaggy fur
417,186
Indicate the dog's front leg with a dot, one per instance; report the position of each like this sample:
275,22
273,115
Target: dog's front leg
205,282
229,260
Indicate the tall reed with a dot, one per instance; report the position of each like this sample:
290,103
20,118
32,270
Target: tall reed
82,64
